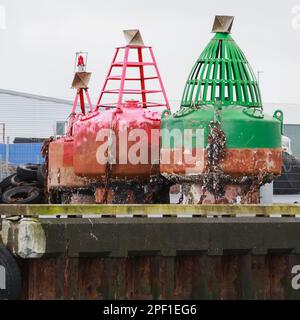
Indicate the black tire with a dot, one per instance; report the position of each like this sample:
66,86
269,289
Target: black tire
41,175
16,181
28,171
22,195
5,183
10,272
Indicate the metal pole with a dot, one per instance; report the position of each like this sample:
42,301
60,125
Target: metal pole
7,156
159,79
142,77
258,76
122,84
1,178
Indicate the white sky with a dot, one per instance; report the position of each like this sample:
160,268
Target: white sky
41,36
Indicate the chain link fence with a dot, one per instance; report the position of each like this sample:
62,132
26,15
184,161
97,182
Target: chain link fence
14,154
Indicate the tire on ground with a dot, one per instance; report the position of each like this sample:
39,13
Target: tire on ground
22,195
5,183
16,181
10,276
28,171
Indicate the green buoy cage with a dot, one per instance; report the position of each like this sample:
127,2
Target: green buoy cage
222,75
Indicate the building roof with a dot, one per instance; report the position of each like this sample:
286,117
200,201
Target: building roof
27,115
34,96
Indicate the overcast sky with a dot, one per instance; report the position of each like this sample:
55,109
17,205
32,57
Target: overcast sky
41,36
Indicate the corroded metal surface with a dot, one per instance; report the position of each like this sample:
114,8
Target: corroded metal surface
232,176
65,178
232,194
237,162
65,186
60,166
89,156
154,277
155,190
252,161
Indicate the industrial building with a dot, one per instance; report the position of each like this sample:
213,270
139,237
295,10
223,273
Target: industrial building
26,115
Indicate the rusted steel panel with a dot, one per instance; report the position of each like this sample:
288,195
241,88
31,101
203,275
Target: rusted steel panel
261,277
238,162
138,278
231,277
252,161
121,122
133,193
233,194
183,277
41,280
61,171
94,282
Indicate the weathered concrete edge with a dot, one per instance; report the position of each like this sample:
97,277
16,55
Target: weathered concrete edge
158,209
33,238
